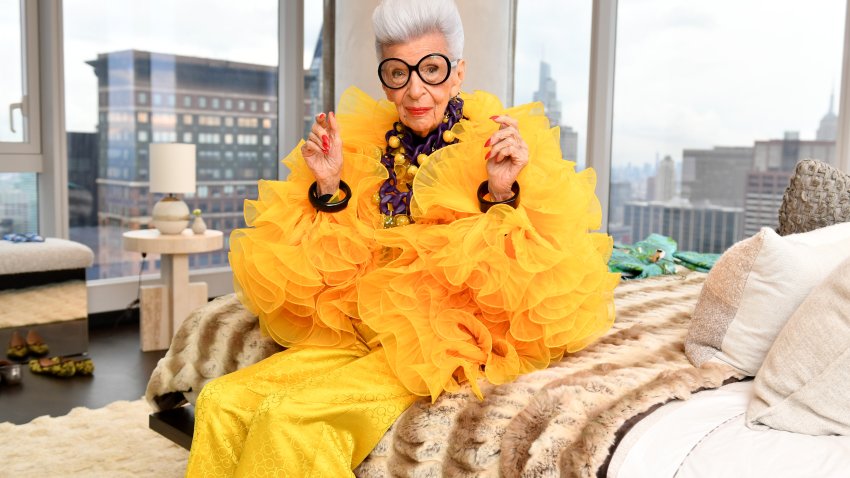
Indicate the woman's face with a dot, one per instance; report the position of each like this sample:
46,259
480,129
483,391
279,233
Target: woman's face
421,106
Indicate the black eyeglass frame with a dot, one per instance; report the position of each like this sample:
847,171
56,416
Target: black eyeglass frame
412,68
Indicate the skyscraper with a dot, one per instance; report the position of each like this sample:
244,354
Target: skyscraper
828,129
717,175
547,93
665,182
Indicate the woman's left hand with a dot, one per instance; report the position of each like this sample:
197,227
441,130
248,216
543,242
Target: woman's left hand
507,156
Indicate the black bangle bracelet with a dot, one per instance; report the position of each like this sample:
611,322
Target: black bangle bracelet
485,205
321,202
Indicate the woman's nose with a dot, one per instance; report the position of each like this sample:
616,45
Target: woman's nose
415,87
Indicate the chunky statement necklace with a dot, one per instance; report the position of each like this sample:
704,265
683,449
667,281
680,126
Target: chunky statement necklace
404,155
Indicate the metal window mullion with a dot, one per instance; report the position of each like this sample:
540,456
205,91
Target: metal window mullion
290,84
30,149
843,137
600,111
53,180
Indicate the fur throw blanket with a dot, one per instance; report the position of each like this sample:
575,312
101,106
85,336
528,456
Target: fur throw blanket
215,339
562,421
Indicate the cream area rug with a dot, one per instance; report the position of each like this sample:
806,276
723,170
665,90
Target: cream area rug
113,442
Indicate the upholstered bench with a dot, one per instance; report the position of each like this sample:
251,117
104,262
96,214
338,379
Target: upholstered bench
43,288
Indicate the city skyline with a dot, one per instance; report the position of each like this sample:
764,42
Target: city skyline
680,118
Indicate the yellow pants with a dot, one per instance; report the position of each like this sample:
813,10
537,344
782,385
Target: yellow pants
304,412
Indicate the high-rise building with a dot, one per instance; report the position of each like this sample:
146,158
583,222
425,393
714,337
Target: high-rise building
716,176
764,196
18,210
621,193
313,83
710,229
82,179
828,128
773,165
665,180
783,154
228,109
547,93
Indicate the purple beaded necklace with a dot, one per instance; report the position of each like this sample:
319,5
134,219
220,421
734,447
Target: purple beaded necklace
402,156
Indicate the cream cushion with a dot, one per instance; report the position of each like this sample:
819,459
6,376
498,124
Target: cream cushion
753,290
802,385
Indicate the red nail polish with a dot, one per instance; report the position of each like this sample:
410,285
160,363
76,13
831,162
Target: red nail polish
321,116
487,143
494,118
487,157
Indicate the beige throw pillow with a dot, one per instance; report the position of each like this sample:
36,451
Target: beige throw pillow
802,385
754,288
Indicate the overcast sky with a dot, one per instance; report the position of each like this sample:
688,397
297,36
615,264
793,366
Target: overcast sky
688,74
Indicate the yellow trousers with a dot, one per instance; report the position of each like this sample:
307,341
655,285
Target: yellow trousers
304,412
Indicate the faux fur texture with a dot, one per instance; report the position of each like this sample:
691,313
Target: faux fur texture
562,421
216,339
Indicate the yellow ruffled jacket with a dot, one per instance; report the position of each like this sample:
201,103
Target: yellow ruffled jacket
456,296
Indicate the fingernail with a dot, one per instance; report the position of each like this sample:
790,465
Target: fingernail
487,143
494,118
332,115
487,157
326,142
321,116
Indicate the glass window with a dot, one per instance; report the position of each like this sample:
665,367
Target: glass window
556,76
143,98
694,85
228,104
12,87
110,55
19,201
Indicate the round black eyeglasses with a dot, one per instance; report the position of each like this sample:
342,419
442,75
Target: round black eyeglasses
433,69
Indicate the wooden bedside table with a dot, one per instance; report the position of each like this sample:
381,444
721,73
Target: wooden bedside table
164,307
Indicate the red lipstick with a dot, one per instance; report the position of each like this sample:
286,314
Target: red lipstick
417,111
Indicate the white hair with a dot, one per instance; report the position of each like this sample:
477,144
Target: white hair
399,21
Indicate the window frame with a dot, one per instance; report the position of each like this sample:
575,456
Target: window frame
44,44
114,294
26,157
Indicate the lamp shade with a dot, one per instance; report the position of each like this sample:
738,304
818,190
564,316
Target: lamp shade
172,168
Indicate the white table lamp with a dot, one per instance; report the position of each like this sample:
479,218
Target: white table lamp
172,171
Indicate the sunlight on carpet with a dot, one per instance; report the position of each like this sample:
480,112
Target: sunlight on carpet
113,441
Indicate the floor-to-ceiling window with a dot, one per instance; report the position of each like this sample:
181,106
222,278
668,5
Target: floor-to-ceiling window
714,104
551,65
20,158
199,72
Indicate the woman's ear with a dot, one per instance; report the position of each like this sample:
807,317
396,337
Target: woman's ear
460,71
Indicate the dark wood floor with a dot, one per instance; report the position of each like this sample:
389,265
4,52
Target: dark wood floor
121,373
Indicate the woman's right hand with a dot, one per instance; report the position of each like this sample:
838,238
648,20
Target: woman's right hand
322,151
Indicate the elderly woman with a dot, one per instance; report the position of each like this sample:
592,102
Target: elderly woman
418,245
